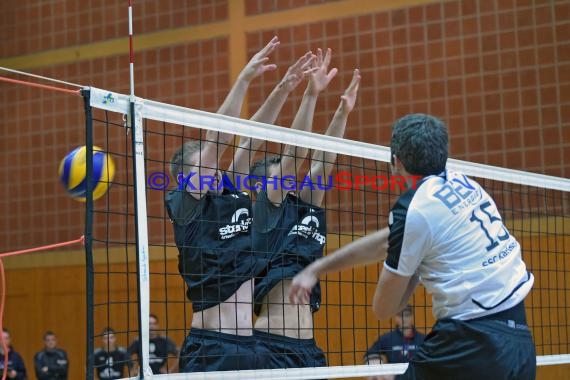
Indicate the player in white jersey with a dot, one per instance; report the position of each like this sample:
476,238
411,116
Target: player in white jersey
447,234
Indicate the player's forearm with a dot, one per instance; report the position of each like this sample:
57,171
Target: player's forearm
221,139
325,160
230,107
304,122
366,250
270,109
392,293
267,113
247,148
337,125
304,118
234,100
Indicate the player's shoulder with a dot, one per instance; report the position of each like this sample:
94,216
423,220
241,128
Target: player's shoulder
98,351
400,209
404,200
452,191
449,180
446,185
174,202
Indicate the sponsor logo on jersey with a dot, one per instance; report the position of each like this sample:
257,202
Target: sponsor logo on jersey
459,194
240,223
309,228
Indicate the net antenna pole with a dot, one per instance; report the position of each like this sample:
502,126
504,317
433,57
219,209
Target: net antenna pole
141,228
90,269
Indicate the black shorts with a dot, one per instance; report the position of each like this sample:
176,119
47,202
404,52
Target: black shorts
484,348
206,351
277,351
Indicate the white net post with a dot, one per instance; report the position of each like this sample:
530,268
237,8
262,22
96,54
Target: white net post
122,104
142,235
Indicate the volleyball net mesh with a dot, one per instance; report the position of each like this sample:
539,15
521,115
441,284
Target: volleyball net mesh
135,259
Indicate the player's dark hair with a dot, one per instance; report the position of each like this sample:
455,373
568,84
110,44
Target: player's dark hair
181,156
260,167
421,143
48,333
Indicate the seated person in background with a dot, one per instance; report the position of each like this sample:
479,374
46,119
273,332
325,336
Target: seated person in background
16,368
110,359
160,347
396,346
51,362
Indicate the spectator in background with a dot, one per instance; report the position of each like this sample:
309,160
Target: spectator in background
110,359
51,363
396,346
16,369
160,347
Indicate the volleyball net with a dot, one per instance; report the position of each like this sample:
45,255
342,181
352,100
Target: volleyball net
134,270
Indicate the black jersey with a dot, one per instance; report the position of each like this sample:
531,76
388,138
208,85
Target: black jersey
111,365
213,240
55,361
16,363
290,237
159,349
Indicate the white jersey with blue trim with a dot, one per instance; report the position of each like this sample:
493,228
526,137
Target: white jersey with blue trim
450,233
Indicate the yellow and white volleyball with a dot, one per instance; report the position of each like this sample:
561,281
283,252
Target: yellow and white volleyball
73,173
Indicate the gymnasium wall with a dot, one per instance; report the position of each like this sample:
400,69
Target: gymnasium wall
498,72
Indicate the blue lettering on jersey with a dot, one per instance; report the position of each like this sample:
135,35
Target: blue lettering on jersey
447,196
503,254
491,216
458,194
465,183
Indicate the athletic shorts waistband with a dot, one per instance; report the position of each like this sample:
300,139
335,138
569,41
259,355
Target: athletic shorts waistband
209,334
262,335
514,317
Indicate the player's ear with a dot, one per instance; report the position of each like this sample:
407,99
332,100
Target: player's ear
393,167
258,187
397,166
